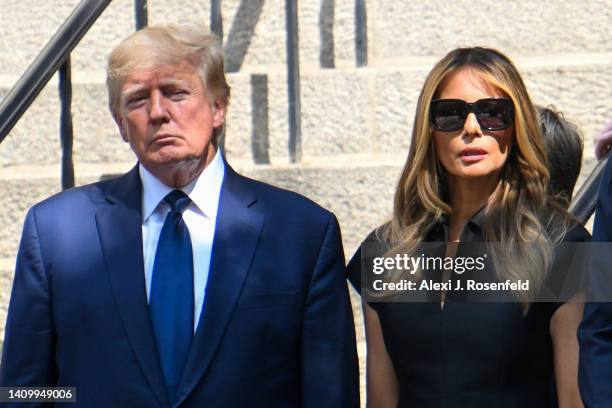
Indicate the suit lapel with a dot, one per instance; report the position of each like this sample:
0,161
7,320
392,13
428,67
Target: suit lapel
120,229
236,235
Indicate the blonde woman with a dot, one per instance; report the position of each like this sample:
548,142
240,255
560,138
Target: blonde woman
476,172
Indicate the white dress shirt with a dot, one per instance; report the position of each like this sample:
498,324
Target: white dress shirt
199,216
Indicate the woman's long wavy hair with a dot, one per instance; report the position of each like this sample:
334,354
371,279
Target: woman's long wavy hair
520,215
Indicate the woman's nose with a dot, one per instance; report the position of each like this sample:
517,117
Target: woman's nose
472,127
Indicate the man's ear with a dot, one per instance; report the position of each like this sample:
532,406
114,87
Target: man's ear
120,125
219,110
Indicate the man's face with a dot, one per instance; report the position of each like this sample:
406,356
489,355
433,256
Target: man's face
166,116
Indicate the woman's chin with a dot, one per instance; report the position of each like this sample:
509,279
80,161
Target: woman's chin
475,172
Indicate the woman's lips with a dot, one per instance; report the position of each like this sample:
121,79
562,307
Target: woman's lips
471,155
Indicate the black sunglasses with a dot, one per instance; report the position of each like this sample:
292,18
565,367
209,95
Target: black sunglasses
449,115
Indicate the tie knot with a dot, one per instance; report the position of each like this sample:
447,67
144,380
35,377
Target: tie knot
177,200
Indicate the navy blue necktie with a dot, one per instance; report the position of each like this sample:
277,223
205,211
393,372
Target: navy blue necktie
171,298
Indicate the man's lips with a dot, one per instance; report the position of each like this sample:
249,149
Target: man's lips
472,154
161,137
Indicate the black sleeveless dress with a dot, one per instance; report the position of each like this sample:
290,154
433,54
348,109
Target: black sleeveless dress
471,354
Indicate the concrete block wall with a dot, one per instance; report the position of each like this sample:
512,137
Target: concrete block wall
356,122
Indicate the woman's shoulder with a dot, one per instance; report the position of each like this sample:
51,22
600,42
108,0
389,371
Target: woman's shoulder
377,235
375,241
568,274
562,226
374,244
576,232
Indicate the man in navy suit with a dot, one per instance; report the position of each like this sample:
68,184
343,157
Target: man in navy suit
180,283
595,332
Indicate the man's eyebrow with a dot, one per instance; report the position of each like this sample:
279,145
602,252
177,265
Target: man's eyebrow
133,89
164,83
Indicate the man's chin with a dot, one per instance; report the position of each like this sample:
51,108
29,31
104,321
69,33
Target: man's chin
170,156
169,161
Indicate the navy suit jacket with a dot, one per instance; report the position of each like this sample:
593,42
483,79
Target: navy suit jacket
595,332
276,328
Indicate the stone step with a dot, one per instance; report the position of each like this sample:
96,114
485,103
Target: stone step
255,30
521,27
344,111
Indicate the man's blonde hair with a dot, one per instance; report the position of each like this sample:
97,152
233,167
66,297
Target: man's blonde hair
156,46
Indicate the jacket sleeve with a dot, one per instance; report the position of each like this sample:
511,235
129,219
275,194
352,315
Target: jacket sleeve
29,343
330,373
595,331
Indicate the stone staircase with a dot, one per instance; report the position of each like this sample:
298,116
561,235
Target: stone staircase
356,122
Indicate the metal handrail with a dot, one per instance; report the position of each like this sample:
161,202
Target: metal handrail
216,26
66,128
293,82
141,14
585,200
40,71
361,33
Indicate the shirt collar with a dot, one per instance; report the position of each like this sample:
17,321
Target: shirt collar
477,219
204,191
474,226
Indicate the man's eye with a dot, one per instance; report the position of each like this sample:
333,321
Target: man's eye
136,100
177,93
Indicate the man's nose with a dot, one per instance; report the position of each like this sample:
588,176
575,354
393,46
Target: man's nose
158,110
472,127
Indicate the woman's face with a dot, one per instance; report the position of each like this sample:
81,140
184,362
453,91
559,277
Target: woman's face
471,152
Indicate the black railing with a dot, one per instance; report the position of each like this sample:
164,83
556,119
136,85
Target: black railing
141,14
66,131
52,56
55,55
216,19
216,26
361,33
293,82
